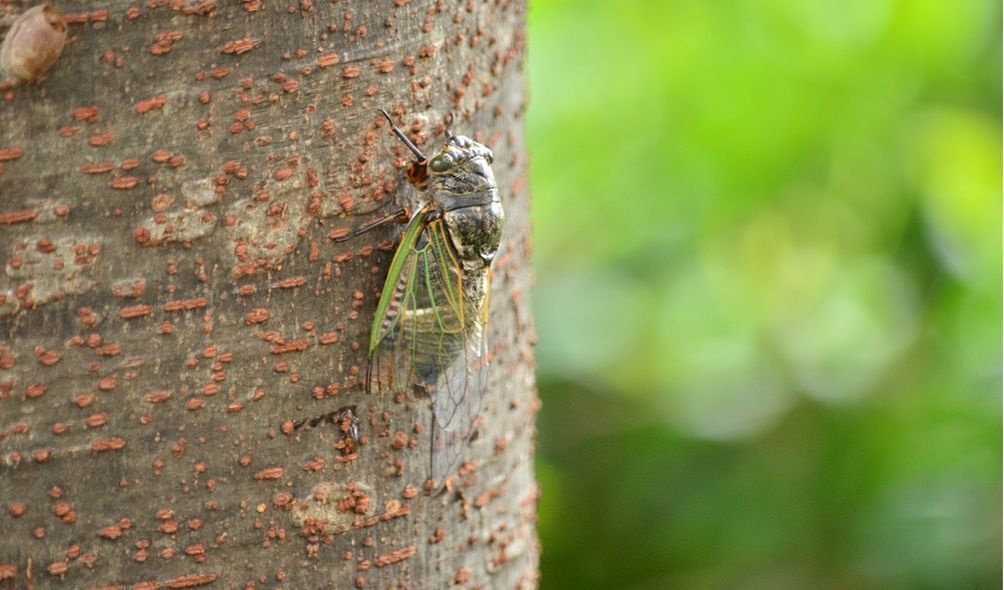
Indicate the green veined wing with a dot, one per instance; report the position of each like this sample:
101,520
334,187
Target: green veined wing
430,333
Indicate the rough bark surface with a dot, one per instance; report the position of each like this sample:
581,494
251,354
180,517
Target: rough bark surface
172,300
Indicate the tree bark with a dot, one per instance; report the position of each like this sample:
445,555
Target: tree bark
172,301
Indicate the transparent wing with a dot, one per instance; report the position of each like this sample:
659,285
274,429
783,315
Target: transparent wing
430,335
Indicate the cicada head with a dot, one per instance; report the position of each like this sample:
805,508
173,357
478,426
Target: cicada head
461,167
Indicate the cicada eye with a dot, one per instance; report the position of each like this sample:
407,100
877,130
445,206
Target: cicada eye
489,157
441,163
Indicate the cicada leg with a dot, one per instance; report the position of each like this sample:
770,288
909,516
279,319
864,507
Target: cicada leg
401,215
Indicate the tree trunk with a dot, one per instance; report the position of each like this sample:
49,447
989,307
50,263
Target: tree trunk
173,305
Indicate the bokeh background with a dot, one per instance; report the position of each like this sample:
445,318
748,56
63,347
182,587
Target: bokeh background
768,256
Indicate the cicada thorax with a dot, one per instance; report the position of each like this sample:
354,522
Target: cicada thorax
462,185
475,230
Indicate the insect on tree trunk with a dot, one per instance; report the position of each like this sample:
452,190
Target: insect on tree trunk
180,326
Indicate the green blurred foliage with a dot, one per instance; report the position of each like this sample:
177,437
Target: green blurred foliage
768,252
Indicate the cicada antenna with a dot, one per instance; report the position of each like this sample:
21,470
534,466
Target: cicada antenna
449,134
400,135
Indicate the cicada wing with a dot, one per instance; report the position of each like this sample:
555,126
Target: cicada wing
463,375
400,278
432,337
456,403
391,338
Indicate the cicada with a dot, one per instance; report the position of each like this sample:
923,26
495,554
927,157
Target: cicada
430,329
